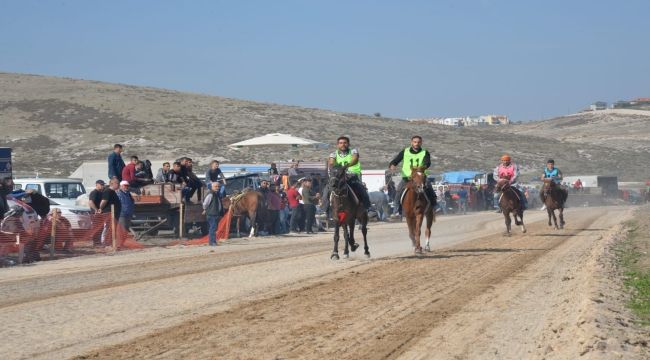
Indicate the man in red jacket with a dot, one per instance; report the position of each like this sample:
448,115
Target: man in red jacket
296,208
128,173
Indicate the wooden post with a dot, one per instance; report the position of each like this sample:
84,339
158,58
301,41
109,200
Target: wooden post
181,219
55,220
113,234
21,249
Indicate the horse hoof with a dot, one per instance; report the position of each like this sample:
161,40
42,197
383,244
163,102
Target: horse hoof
523,231
367,255
427,248
334,257
354,247
346,256
418,251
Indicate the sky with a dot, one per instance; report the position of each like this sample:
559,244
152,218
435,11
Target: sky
406,59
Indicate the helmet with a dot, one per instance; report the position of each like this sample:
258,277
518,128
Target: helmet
550,161
505,157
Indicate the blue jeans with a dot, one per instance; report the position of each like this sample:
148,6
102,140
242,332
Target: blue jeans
213,222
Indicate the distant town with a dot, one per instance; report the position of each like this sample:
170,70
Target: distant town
491,120
483,120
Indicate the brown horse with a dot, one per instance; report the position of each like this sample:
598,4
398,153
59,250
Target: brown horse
509,202
554,198
416,207
247,203
346,209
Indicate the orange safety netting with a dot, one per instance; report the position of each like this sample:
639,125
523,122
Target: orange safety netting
223,232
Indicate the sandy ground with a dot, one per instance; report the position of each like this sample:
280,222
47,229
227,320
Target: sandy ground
545,294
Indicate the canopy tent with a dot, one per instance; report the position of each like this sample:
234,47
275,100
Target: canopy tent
459,177
278,139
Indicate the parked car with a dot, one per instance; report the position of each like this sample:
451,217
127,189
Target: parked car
79,217
62,191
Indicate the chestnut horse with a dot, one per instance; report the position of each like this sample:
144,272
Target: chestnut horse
416,207
553,197
509,202
346,209
247,203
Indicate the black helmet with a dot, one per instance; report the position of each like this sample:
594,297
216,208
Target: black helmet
550,161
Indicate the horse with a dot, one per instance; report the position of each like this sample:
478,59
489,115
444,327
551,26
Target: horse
247,203
553,197
416,207
509,202
346,209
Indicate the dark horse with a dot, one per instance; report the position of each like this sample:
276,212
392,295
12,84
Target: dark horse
553,197
247,203
416,207
509,202
346,208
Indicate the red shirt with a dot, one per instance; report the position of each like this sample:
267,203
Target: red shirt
128,173
292,197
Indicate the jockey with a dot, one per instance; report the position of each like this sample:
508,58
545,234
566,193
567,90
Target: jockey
348,158
552,172
510,171
414,155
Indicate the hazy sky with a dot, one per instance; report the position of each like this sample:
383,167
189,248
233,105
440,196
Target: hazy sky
526,59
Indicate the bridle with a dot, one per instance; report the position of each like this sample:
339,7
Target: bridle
418,187
338,184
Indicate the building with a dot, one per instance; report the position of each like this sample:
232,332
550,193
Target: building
598,105
466,120
495,119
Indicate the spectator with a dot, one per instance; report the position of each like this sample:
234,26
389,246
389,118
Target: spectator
274,204
192,182
176,176
128,173
293,170
6,186
296,208
273,170
127,207
213,210
214,173
308,199
284,210
462,200
115,162
164,173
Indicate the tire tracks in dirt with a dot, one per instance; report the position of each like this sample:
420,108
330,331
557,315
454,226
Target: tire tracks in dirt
373,311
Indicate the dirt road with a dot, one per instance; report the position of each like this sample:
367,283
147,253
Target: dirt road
477,295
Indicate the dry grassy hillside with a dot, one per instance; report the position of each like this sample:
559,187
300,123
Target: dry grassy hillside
53,124
616,128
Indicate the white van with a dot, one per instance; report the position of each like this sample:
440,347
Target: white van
62,191
62,194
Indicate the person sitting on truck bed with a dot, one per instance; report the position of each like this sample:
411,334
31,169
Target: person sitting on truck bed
164,173
214,174
192,182
128,173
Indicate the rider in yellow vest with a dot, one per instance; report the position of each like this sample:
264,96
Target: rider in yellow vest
349,158
414,156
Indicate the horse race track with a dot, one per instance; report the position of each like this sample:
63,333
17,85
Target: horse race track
477,295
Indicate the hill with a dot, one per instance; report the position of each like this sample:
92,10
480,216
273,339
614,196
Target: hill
53,124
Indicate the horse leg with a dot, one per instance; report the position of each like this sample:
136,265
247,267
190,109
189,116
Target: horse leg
253,217
506,215
238,224
364,231
427,230
346,238
418,232
561,210
410,222
521,216
555,219
353,244
335,252
550,215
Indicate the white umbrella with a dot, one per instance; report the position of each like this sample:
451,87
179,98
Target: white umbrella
278,139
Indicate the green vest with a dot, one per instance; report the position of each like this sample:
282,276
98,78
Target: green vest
417,160
341,160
